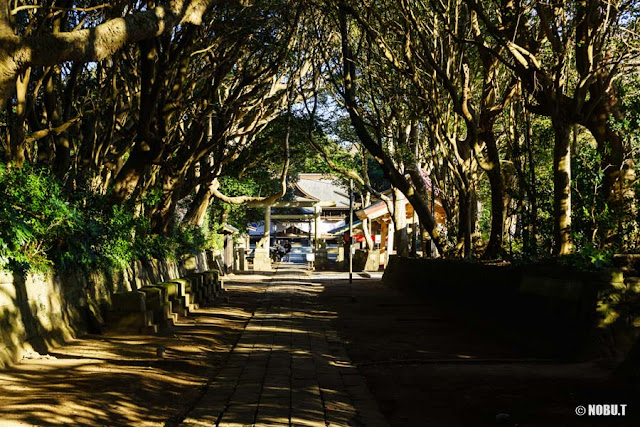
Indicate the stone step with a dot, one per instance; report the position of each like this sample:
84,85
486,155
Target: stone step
192,289
175,299
170,316
211,276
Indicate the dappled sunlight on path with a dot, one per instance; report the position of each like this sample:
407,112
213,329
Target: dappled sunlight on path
289,366
265,355
115,379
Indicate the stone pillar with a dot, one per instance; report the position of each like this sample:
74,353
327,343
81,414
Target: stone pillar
267,226
261,257
240,259
322,256
228,253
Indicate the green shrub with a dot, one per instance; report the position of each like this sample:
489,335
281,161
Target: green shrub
34,218
40,227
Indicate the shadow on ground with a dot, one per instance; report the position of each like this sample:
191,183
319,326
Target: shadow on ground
435,364
115,379
426,363
289,367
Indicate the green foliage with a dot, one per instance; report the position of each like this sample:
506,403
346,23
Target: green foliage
188,239
629,121
254,184
589,257
591,215
119,238
543,155
153,197
118,241
112,237
40,227
34,217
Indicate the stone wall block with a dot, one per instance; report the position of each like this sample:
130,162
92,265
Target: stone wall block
127,302
40,311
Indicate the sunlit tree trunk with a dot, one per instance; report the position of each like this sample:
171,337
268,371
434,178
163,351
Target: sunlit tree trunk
465,222
17,147
425,242
533,194
198,208
562,186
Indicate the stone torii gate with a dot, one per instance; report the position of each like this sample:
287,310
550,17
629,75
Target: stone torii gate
262,258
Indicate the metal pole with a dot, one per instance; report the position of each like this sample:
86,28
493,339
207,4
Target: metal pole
350,230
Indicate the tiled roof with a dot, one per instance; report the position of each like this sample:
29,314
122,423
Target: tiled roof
323,190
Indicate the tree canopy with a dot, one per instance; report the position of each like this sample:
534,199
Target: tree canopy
520,117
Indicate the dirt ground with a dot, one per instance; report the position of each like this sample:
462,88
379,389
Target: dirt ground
432,365
115,379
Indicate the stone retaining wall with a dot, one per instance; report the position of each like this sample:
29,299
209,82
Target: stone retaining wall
38,311
575,314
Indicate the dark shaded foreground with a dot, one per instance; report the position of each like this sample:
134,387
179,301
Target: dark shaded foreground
434,364
115,379
265,356
302,348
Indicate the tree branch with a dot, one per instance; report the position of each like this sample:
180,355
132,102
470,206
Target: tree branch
92,44
238,200
34,136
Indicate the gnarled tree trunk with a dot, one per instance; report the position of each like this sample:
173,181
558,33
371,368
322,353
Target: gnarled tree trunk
198,208
562,244
497,196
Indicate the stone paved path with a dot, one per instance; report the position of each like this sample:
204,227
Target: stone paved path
289,366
